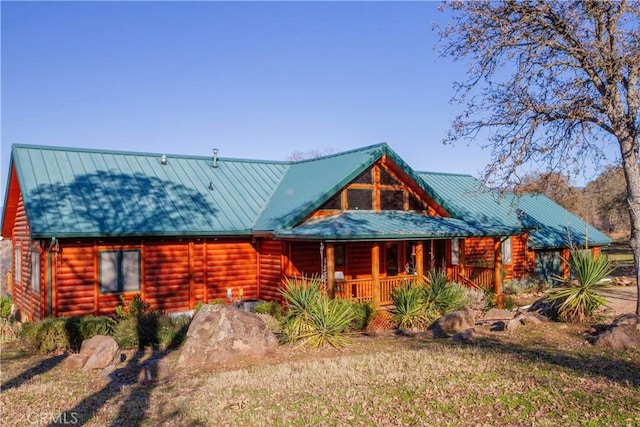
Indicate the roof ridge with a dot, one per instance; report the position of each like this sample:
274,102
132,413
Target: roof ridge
381,145
143,153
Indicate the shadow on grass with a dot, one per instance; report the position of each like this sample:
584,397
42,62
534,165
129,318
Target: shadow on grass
39,369
613,366
130,384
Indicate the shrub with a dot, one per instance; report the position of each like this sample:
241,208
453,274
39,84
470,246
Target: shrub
578,300
272,308
312,317
132,308
363,313
50,335
126,333
5,307
409,306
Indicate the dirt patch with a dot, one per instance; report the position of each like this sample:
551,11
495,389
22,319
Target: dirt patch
621,299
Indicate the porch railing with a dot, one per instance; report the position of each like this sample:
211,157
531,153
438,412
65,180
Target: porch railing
361,290
480,276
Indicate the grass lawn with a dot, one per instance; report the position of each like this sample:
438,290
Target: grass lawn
539,375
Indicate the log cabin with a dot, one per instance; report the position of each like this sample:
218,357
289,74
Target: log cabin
92,227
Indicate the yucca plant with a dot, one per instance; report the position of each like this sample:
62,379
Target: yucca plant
299,294
578,300
443,296
409,308
330,319
312,317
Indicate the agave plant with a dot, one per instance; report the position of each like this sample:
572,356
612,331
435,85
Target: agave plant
409,308
312,317
579,299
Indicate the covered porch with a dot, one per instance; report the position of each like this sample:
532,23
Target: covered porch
363,256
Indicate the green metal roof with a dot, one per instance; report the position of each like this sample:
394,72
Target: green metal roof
554,226
310,183
80,192
466,198
382,225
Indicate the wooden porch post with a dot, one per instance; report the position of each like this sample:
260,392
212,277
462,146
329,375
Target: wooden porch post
375,273
497,270
462,258
331,268
419,259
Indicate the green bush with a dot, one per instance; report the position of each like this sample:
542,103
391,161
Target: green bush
312,317
272,308
5,307
51,335
578,300
363,314
125,333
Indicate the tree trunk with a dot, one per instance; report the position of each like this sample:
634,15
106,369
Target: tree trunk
632,175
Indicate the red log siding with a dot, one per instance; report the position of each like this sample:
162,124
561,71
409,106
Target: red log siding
231,265
479,251
358,260
74,282
30,303
166,275
270,270
305,258
519,257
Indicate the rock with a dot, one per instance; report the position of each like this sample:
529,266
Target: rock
102,351
467,336
624,333
513,324
75,361
498,314
544,307
219,333
450,323
498,326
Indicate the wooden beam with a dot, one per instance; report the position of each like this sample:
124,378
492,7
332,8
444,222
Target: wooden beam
497,270
419,247
375,273
192,287
331,269
462,258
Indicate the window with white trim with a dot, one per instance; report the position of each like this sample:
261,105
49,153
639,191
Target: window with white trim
17,260
35,270
506,251
119,271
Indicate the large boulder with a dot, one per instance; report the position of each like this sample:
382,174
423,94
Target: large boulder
219,333
101,350
451,323
623,333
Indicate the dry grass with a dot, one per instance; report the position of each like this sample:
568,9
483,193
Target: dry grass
546,375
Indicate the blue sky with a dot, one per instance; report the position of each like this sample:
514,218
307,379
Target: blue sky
256,80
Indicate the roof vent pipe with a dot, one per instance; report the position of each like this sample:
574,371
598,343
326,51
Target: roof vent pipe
163,160
214,163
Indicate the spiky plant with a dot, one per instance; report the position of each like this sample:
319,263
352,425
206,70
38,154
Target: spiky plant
409,308
329,320
312,317
578,300
443,296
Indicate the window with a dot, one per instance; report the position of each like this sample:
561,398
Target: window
339,255
35,270
17,274
391,200
119,271
455,251
415,204
359,199
506,251
334,203
386,178
365,177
